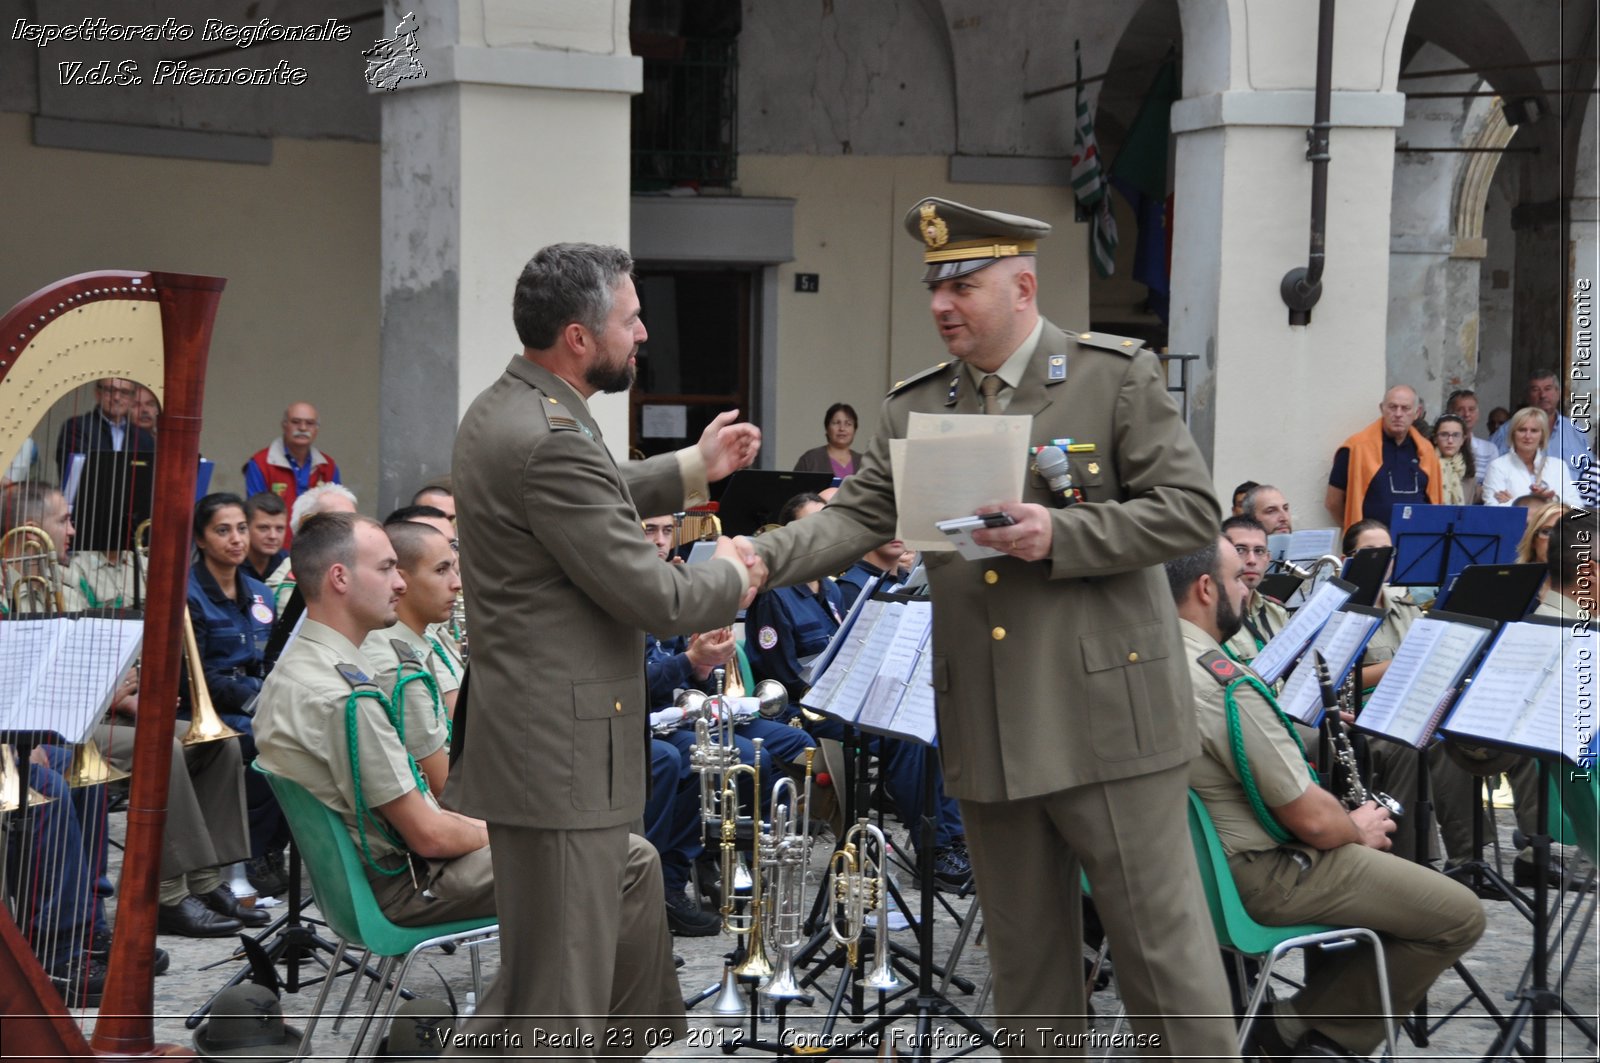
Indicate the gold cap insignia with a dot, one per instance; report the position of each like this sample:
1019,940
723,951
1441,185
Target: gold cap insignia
935,233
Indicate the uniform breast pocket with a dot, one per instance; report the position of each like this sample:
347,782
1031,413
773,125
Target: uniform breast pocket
1089,475
1117,666
607,743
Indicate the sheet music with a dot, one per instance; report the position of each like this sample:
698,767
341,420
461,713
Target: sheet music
72,682
856,685
900,658
834,665
835,644
916,715
1285,648
1430,662
1340,641
1515,697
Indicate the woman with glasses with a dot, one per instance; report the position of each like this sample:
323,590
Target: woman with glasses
835,456
1458,481
1527,469
1535,545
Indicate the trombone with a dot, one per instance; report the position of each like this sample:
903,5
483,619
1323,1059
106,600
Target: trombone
204,723
29,547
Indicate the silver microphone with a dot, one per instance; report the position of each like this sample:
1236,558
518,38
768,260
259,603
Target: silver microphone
1051,462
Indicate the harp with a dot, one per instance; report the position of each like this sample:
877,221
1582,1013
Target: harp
155,329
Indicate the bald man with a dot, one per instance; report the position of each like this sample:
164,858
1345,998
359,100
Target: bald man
1387,463
291,464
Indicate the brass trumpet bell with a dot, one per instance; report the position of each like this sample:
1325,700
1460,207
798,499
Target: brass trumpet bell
205,725
90,767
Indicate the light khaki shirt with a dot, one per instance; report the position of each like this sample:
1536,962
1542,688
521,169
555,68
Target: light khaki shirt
1280,771
1553,603
301,730
450,666
1268,617
101,583
1399,611
426,730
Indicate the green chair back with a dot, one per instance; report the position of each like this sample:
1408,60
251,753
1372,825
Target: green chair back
344,896
1580,805
1235,929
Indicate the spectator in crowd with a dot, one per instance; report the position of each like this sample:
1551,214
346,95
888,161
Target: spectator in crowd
291,465
1420,421
1534,548
1497,417
438,496
1528,468
232,615
1459,482
106,427
1266,505
268,518
326,498
835,456
1386,463
1563,439
1238,497
1463,403
146,409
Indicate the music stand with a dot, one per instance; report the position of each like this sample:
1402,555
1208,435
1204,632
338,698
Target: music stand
113,498
1367,570
1494,592
752,498
1433,543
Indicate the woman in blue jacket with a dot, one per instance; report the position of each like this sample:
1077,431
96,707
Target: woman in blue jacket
232,616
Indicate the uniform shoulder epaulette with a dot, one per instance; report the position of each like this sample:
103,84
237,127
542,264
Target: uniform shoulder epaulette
1105,341
1220,666
558,417
405,652
916,378
354,676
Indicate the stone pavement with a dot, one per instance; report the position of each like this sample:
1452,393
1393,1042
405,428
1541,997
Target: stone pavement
200,967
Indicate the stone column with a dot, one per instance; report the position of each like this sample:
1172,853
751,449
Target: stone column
1273,400
517,137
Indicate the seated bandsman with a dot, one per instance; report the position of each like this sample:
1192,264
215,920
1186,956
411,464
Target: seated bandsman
445,636
1297,855
882,564
268,518
1571,593
408,666
1263,617
104,578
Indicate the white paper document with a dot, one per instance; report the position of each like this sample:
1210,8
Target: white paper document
1416,689
952,465
1340,642
1525,694
58,674
881,678
1286,646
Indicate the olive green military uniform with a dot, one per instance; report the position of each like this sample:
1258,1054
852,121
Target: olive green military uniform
447,655
1264,617
1425,920
562,588
398,653
103,584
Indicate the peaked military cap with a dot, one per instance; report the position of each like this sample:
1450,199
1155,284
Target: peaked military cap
958,239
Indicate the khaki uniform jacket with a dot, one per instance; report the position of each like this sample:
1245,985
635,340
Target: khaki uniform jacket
1056,673
563,586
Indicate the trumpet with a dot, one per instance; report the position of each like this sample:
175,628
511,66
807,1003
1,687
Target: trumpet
860,881
749,925
204,723
457,625
786,850
772,699
713,754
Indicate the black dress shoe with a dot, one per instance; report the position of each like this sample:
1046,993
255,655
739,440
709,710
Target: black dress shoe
162,962
100,948
80,982
1526,874
222,901
191,918
1320,1046
268,874
686,919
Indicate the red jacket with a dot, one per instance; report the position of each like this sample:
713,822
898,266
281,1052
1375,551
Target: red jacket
269,470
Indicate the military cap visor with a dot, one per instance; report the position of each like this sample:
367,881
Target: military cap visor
958,239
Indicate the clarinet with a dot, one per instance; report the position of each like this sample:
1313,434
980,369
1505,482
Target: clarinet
1355,793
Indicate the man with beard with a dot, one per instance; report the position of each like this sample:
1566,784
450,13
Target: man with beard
563,588
1263,617
1297,855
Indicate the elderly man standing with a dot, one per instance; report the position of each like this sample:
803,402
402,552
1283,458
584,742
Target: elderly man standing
1387,463
1063,702
291,464
563,588
106,427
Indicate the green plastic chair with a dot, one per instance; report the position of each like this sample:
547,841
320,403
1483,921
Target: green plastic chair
1580,805
1240,934
345,899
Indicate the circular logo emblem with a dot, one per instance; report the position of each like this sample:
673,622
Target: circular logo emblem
767,638
261,613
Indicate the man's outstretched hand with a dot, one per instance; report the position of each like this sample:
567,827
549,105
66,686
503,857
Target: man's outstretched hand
727,447
742,551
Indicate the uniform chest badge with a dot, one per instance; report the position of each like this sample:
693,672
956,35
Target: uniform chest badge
259,612
767,637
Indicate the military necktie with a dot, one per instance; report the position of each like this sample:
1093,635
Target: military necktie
989,388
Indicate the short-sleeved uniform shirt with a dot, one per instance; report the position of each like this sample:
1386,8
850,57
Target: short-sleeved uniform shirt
1280,770
1263,619
1399,611
426,722
450,663
102,584
301,733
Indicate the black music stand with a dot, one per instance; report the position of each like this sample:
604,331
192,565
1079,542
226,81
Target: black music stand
752,498
113,498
